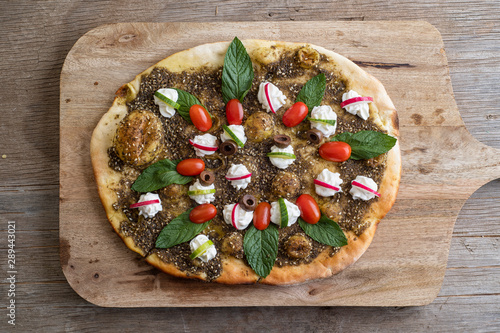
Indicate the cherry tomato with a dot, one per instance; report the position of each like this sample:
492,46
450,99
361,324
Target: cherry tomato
200,117
203,213
295,114
234,112
262,216
335,151
309,209
191,167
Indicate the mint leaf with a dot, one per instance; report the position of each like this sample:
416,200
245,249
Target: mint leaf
261,249
186,100
159,175
237,73
326,231
312,92
179,230
366,144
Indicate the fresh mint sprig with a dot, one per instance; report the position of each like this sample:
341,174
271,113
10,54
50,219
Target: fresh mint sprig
160,175
186,101
261,249
366,144
312,92
179,230
237,73
326,231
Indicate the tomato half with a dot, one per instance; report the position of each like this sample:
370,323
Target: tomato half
335,151
190,167
309,209
295,114
202,213
200,117
262,216
234,112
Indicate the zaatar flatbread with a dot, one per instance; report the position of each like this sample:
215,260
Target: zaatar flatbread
118,161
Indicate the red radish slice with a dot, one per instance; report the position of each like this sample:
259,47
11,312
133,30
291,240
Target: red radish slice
145,203
366,188
233,215
320,183
266,90
202,147
353,100
239,177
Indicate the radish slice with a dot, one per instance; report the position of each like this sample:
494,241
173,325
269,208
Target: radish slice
202,147
266,90
358,100
145,203
366,188
233,215
320,183
239,177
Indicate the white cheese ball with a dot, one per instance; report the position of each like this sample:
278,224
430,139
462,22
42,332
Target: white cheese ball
165,109
198,241
282,163
292,209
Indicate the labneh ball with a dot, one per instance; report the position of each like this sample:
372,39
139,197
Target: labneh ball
139,138
259,126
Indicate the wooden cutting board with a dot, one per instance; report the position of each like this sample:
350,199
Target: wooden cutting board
405,265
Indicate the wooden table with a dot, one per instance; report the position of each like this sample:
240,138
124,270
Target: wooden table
36,38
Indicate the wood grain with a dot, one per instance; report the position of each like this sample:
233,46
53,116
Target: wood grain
406,262
440,316
36,37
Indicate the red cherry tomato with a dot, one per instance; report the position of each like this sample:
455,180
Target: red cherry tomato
200,117
234,112
294,115
190,167
309,209
262,216
202,213
335,151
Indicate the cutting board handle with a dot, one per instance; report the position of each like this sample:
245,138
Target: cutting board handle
485,161
447,159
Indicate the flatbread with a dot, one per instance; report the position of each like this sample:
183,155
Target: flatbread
267,57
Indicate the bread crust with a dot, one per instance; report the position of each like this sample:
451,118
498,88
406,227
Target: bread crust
236,271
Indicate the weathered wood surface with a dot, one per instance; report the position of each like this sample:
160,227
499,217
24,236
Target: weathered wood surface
36,37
